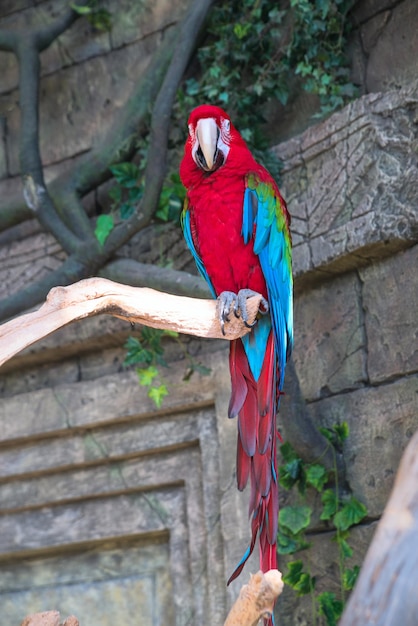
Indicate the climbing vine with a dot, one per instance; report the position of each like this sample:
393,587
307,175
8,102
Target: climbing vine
146,350
339,511
256,52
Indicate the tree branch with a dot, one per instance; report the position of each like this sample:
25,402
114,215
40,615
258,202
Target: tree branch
49,618
256,599
136,274
47,34
35,190
143,306
26,45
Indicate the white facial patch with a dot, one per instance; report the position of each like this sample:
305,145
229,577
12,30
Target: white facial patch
224,138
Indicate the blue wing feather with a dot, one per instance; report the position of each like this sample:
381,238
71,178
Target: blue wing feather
187,231
263,210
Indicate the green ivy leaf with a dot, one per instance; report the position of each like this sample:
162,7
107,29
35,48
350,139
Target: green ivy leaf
316,476
288,453
305,584
137,352
115,194
81,9
126,174
294,572
351,513
104,226
146,375
285,544
330,607
346,549
100,19
201,369
299,580
158,394
126,209
295,518
350,577
337,434
342,431
330,504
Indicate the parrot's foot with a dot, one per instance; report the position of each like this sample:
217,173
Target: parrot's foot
238,302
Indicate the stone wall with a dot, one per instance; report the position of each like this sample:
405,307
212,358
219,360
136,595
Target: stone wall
352,183
112,509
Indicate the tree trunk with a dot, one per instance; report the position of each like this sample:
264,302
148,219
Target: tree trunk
386,593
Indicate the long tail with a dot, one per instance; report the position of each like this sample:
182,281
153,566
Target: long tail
254,400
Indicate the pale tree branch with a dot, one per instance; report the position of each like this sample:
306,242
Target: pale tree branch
49,618
255,600
137,305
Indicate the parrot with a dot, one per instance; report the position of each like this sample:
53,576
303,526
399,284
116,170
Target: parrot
237,227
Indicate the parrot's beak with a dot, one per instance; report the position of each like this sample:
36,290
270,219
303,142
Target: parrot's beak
207,135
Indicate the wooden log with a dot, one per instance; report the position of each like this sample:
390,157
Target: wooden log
93,296
49,618
256,599
386,591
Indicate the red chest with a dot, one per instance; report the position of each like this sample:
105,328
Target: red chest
216,218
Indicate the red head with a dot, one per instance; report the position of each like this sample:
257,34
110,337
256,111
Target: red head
210,137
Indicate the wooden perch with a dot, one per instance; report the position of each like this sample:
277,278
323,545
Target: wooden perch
93,296
49,618
386,591
256,600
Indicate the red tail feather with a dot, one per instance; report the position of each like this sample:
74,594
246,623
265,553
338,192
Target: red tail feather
238,366
243,465
256,404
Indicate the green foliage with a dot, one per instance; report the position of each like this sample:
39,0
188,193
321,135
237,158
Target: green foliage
146,352
128,190
299,580
330,607
341,512
98,17
253,51
171,199
295,518
104,226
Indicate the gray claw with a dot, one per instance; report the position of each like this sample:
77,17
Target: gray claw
239,301
241,304
225,300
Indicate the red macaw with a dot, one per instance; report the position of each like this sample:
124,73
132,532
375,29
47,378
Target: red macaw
236,225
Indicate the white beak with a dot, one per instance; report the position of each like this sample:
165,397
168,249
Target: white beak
207,136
